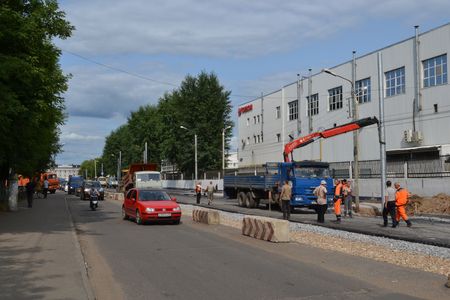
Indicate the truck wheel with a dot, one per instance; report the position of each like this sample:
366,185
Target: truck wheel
241,199
249,201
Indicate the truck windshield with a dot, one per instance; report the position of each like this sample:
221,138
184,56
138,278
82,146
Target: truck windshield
311,172
147,177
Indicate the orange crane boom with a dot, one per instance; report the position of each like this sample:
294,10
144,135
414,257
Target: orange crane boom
327,133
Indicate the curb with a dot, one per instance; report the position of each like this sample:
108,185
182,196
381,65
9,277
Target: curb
80,257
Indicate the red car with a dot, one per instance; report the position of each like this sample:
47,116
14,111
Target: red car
150,205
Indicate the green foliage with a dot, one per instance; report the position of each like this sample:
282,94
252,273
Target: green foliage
31,84
89,167
200,104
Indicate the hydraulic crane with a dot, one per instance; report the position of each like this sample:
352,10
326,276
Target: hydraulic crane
327,133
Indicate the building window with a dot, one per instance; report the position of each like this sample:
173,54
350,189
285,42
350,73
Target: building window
277,112
293,110
258,119
248,121
254,120
435,71
335,98
262,139
313,105
278,137
395,82
248,140
362,90
259,139
261,118
254,137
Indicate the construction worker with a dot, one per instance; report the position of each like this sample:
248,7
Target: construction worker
286,194
198,191
401,199
389,205
338,196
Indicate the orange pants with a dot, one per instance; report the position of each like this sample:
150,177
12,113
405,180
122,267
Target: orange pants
337,207
401,213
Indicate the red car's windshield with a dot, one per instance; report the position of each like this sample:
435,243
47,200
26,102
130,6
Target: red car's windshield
153,196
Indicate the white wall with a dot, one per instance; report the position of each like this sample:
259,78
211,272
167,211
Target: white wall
425,187
190,184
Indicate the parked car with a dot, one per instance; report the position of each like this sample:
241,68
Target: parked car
145,205
74,185
86,189
62,183
102,181
112,182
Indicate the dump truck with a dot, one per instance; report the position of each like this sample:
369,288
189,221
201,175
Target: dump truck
140,176
304,176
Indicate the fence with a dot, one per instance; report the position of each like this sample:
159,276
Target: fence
425,168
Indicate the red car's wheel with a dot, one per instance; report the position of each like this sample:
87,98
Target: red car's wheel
124,214
138,218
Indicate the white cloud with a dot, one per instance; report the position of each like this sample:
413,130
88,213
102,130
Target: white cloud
72,136
228,28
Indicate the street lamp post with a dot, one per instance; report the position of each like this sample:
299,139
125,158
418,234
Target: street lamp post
223,150
195,150
355,133
95,169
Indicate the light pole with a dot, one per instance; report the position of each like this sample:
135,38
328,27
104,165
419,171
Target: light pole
355,133
95,169
195,150
223,150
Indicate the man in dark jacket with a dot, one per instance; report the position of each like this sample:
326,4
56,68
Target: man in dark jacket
30,191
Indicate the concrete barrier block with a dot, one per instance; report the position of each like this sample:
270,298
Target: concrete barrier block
114,196
209,217
267,229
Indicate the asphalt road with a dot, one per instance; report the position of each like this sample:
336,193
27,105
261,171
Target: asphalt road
197,261
423,231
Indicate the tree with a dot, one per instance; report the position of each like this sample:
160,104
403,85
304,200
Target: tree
31,85
200,104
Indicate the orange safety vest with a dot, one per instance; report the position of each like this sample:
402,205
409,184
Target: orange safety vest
338,191
401,197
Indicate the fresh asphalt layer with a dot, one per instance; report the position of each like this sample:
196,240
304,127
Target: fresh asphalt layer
197,261
425,231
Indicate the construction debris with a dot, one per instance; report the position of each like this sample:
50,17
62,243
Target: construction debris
438,204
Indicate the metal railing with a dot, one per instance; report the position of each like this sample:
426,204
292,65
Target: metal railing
416,168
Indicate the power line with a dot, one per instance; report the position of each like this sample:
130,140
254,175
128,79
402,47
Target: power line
119,70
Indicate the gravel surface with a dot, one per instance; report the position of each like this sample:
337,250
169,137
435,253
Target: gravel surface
419,256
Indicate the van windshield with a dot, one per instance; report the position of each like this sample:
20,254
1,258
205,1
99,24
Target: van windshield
148,177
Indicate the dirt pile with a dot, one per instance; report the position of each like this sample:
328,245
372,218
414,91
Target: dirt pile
438,204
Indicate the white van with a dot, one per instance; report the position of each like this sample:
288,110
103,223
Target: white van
147,179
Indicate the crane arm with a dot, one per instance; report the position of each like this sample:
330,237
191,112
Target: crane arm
327,133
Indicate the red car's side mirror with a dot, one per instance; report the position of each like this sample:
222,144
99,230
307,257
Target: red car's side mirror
174,199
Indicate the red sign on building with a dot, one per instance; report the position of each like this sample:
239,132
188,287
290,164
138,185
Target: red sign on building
245,109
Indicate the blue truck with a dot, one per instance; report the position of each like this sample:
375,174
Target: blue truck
303,176
254,190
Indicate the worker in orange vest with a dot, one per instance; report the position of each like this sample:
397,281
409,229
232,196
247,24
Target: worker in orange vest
401,199
338,196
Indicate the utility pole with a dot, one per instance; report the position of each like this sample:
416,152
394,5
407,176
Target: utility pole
95,169
119,167
145,153
355,133
310,101
195,145
381,127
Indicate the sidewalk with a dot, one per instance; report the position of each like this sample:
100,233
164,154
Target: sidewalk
39,255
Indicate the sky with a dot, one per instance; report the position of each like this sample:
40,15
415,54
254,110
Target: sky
127,54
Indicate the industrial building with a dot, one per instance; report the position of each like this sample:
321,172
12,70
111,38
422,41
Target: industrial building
410,77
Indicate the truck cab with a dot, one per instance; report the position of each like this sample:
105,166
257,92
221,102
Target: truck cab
147,179
304,177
